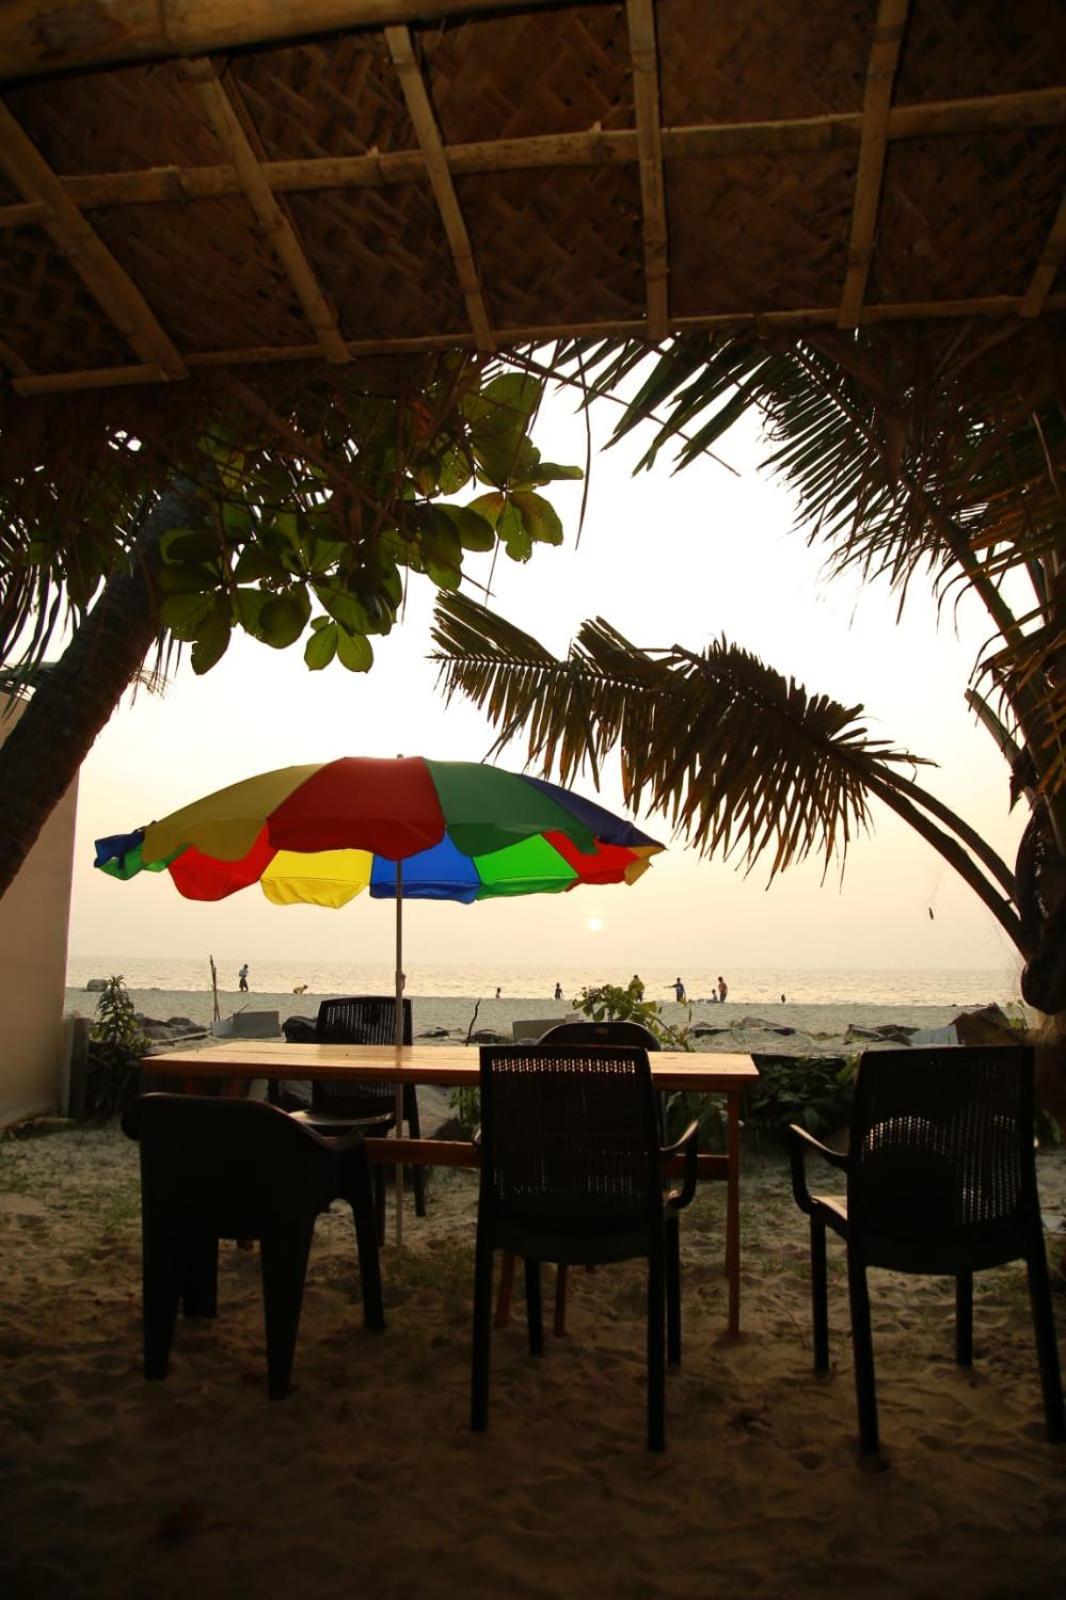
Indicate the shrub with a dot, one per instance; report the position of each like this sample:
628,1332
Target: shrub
814,1091
116,1044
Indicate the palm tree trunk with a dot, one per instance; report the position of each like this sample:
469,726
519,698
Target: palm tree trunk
42,753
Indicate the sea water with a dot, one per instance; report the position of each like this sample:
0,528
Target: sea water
747,985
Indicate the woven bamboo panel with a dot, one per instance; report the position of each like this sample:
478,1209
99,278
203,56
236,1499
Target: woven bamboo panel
935,244
495,184
762,60
513,77
956,48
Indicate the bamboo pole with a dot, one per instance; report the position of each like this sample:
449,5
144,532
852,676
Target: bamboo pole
1047,267
644,54
593,148
86,252
44,36
425,125
279,229
398,1041
991,306
877,101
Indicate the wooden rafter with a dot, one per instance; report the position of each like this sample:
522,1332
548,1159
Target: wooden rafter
43,36
425,125
280,232
1051,257
992,306
877,103
86,252
13,361
644,55
594,148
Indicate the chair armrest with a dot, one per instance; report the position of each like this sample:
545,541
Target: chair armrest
688,1146
799,1141
341,1143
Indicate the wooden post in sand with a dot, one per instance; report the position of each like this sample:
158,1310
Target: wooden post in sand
398,1041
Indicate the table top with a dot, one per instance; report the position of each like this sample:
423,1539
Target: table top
707,1072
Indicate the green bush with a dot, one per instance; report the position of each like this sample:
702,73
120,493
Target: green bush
116,1044
814,1091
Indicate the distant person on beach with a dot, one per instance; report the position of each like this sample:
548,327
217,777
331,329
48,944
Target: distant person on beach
679,990
782,1000
299,988
499,994
723,989
636,986
242,979
558,991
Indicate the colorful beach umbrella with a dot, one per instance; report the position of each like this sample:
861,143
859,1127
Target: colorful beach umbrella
408,828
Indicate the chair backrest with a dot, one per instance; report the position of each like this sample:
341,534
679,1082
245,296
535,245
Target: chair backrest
570,1137
632,1033
941,1166
358,1019
230,1166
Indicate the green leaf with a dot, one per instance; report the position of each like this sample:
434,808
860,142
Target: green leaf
512,530
539,517
253,563
248,609
491,506
322,645
354,652
551,472
284,618
475,531
175,579
344,606
213,636
183,614
189,544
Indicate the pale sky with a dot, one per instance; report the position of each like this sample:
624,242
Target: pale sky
666,559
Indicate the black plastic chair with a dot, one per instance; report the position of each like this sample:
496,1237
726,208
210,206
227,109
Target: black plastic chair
338,1104
600,1033
941,1179
572,1172
216,1169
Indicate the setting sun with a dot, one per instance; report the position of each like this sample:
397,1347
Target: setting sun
594,924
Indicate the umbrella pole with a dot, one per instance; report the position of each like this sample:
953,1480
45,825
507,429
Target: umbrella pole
398,1041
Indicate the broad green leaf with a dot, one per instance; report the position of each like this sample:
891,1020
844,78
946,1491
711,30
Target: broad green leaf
212,638
491,506
354,651
284,618
183,614
551,472
475,531
346,607
189,544
248,609
175,579
322,646
539,517
253,563
516,537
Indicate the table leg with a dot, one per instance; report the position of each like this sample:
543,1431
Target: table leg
732,1214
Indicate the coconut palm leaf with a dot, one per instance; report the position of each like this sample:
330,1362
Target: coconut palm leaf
740,759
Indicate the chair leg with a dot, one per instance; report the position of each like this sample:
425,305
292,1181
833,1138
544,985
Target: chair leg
656,1347
562,1276
482,1336
161,1292
1047,1349
503,1303
862,1340
673,1291
411,1113
364,1219
534,1317
964,1318
819,1296
284,1261
379,1201
199,1286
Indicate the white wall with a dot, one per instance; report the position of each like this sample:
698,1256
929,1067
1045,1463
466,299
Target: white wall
33,960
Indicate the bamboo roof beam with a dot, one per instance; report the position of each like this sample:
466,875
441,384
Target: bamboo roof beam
280,232
85,251
1048,265
591,148
42,36
877,103
515,337
425,125
644,54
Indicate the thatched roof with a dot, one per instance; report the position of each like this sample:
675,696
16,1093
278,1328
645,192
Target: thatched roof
189,185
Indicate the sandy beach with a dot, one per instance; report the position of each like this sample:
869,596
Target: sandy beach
366,1479
784,1029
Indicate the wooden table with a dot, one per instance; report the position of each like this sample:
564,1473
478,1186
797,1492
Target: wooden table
453,1066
